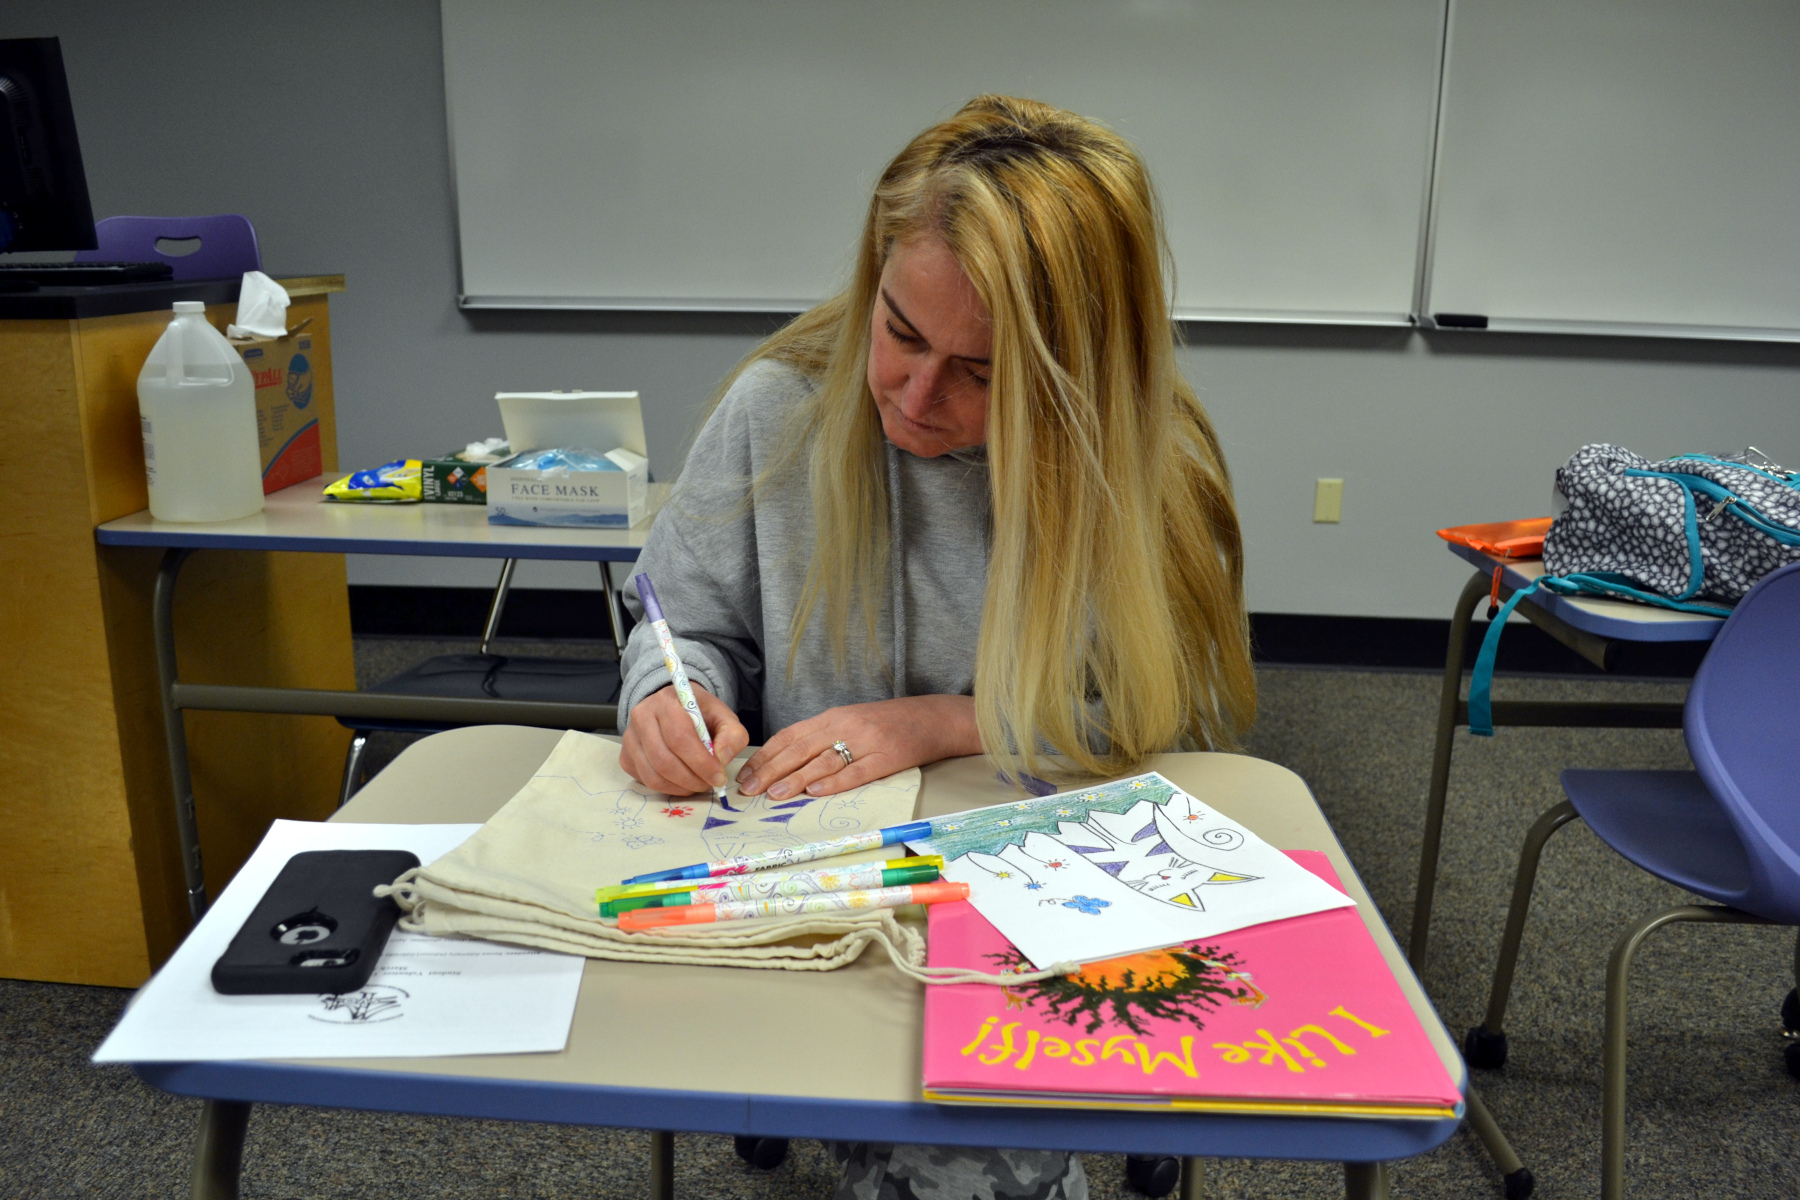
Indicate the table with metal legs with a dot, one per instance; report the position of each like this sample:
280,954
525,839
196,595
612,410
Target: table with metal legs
1593,628
830,1055
298,519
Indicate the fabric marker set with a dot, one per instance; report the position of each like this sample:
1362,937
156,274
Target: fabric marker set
641,905
648,902
900,872
756,898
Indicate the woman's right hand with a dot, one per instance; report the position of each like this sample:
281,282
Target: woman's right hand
663,751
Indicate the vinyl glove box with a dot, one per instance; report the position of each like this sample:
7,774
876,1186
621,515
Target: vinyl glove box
452,481
460,476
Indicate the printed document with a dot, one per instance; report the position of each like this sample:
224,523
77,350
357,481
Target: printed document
428,995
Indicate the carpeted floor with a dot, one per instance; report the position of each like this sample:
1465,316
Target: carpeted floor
1712,1111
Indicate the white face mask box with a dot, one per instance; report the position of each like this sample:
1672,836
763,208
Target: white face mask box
602,479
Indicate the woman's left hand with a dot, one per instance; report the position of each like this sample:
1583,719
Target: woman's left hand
882,737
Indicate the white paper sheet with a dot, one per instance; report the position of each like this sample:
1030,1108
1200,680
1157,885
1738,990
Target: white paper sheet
1112,870
427,996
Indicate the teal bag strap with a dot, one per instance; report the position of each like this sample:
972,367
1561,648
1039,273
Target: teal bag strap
1608,583
1481,680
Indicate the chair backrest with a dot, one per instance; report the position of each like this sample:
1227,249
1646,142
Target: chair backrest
227,244
1743,730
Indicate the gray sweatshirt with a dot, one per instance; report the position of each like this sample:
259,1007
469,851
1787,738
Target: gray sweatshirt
729,573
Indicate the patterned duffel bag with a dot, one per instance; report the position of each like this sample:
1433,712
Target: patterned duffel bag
1693,532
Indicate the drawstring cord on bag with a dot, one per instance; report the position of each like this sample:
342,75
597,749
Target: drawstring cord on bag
431,908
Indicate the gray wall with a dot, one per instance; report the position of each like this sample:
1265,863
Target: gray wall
325,125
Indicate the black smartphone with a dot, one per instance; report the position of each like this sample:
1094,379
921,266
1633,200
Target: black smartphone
318,929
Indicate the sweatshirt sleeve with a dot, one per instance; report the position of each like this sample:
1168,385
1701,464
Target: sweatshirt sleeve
702,554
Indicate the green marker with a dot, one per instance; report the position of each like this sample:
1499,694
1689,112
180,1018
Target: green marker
770,884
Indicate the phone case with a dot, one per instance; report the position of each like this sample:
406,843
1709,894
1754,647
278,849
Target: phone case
319,928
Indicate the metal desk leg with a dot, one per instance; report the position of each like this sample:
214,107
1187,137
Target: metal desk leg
1193,1178
1485,1045
662,1165
612,608
497,606
219,1150
187,830
1472,592
1366,1181
1514,1176
353,761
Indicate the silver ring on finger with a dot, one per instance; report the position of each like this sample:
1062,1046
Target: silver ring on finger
843,751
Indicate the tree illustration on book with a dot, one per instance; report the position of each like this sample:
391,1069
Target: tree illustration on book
1181,983
1127,866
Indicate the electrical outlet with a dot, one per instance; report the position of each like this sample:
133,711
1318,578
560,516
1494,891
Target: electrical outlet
1328,501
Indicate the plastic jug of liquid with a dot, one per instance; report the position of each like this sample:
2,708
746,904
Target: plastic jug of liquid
197,403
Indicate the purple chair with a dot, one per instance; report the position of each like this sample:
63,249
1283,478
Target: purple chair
227,244
1728,831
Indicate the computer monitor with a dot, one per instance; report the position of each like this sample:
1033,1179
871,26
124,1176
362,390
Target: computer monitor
43,190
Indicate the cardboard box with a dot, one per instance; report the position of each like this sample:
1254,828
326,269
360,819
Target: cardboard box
613,497
286,424
452,481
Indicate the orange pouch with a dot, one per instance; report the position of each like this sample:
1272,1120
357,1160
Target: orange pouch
1507,539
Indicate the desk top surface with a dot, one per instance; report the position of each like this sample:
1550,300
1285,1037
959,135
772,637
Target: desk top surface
112,299
1619,619
780,1043
299,518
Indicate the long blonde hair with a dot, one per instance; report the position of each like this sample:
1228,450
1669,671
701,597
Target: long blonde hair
1113,624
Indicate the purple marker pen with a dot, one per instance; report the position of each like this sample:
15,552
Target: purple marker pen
683,690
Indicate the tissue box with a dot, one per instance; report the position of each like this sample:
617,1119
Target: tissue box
452,481
286,423
610,495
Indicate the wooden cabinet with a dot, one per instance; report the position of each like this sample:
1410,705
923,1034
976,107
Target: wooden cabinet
90,876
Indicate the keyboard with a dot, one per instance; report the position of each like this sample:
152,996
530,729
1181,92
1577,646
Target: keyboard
25,277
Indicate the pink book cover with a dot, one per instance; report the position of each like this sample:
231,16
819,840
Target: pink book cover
1295,1016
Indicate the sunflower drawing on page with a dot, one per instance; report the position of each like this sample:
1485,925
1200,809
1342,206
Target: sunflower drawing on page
1117,869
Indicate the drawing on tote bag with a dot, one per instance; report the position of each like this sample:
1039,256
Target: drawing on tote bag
627,829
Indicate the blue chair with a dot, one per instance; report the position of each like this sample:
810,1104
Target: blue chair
1729,831
227,244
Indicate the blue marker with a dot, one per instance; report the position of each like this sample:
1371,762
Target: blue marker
789,856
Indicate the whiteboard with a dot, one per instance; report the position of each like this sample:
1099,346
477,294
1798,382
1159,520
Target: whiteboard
718,155
1621,165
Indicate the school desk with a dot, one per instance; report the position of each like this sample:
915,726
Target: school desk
298,520
90,883
1591,626
781,1053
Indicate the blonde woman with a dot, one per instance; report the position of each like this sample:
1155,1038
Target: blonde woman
968,505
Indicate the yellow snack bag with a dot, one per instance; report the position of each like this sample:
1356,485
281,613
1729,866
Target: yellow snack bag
390,483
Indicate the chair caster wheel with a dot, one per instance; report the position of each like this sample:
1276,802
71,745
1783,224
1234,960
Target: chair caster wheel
1792,1055
763,1153
1154,1175
1519,1184
1485,1050
1790,1011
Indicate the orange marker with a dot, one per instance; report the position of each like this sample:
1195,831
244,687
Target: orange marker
639,919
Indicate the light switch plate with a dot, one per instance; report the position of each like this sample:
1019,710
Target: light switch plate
1328,501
